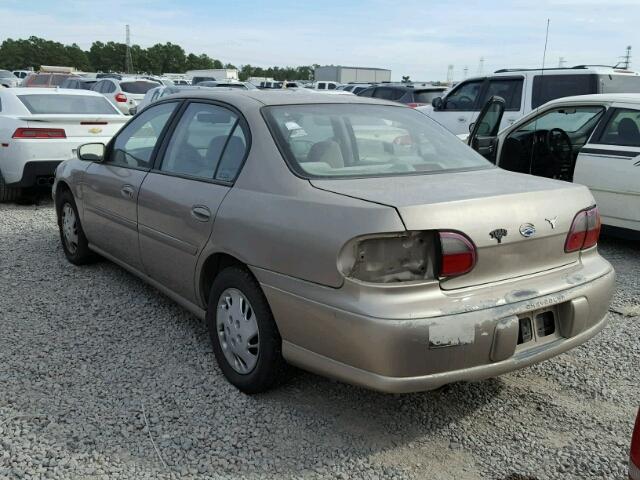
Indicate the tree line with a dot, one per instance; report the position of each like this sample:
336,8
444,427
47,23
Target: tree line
110,57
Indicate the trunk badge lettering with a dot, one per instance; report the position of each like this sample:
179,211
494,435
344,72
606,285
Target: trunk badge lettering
527,230
552,221
498,233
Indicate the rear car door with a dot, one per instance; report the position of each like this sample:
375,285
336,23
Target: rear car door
609,164
461,107
110,188
180,197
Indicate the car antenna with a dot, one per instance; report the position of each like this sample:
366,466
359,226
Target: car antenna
535,123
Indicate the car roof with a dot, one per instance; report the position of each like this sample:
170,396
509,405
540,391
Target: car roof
599,98
285,96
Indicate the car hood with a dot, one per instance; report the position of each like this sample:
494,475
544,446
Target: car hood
477,203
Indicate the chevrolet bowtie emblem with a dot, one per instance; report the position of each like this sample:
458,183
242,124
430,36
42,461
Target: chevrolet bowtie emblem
95,130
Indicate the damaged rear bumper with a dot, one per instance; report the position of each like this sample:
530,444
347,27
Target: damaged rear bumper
399,339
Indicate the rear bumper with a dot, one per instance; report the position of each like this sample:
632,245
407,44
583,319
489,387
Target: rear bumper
418,353
37,174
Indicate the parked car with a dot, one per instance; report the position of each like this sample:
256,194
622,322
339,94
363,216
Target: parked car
593,140
45,80
124,94
325,85
39,128
407,94
22,73
634,453
228,84
80,83
355,88
524,91
394,257
8,79
159,92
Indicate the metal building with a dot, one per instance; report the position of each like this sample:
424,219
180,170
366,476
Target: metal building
340,74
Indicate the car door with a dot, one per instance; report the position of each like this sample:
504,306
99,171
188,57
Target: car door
460,107
110,188
609,164
484,133
180,197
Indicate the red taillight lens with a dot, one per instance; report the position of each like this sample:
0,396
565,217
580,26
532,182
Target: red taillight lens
39,133
634,455
458,254
414,105
585,230
121,97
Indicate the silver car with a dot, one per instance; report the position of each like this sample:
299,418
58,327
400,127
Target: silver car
349,236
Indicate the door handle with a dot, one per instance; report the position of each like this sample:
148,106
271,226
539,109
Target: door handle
462,119
201,213
127,191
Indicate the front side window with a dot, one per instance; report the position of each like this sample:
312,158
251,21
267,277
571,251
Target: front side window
134,145
200,140
550,87
351,140
464,97
67,104
509,89
623,129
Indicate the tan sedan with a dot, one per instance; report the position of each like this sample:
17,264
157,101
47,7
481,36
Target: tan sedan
351,237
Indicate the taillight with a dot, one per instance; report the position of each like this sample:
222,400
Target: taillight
121,97
39,133
458,254
634,454
585,230
414,105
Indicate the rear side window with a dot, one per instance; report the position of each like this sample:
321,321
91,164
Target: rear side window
203,137
367,92
623,129
509,89
108,87
550,87
69,104
137,87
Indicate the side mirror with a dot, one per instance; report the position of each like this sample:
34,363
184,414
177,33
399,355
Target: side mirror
91,152
437,103
472,126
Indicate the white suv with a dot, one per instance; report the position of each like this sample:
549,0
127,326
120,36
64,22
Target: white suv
125,94
524,91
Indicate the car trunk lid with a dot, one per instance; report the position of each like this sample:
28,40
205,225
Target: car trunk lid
518,223
79,125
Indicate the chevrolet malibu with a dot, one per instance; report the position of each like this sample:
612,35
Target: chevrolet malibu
349,236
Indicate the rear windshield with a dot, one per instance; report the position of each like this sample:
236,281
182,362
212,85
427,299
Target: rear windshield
425,96
58,79
70,104
137,87
6,74
351,140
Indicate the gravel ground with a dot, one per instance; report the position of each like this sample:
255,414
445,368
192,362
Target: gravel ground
103,377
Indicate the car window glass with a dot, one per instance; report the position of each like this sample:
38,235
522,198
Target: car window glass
550,87
623,129
40,80
569,119
331,86
57,79
509,89
367,92
134,145
199,140
233,155
139,87
59,103
109,87
464,97
426,96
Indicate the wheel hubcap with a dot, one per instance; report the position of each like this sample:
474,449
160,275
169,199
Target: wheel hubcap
237,328
69,228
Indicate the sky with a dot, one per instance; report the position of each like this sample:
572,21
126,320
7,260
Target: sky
419,38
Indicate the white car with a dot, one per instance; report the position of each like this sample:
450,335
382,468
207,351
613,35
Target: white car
125,94
593,140
524,91
41,127
8,79
325,85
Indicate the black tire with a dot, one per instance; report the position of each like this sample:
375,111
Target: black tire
270,368
81,255
8,194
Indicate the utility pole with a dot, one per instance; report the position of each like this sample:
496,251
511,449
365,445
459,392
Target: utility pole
450,74
481,66
128,61
626,59
466,71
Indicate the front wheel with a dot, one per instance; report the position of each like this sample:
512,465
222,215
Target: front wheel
74,242
245,338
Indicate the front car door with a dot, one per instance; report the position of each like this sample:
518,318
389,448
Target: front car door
180,197
484,134
510,89
460,107
110,188
609,164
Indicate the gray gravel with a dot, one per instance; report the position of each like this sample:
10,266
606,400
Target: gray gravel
103,377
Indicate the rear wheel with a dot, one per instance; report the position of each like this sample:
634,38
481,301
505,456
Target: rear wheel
7,194
245,338
74,242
